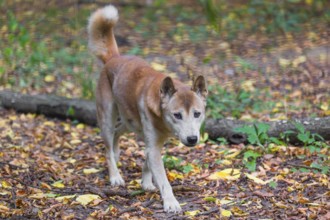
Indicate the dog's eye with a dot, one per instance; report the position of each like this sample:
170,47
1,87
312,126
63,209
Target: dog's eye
197,114
178,115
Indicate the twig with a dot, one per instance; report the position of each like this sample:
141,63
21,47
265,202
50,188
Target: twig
216,209
184,188
303,166
135,208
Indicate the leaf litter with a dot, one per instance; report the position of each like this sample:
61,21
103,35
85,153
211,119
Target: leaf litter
43,175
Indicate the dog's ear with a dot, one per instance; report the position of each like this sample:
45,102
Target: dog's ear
167,88
200,87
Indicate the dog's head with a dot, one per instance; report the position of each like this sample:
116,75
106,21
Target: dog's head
184,109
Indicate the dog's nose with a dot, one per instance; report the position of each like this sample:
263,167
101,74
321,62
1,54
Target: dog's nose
192,140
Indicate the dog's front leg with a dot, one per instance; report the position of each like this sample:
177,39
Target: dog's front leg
155,163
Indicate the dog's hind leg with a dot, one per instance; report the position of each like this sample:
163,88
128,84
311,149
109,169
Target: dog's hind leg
111,128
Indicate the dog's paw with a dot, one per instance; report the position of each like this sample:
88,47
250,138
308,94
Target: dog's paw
148,186
117,181
172,205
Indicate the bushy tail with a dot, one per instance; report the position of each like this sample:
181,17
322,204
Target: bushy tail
101,39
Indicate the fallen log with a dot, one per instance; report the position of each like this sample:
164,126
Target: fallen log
51,106
85,112
226,128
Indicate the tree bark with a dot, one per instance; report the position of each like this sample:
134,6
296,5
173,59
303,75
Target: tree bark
49,105
226,128
85,112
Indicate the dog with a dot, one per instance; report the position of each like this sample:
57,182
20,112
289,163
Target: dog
131,96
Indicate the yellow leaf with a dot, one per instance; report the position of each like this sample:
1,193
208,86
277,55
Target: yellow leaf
13,117
210,199
309,2
5,184
62,198
158,67
4,208
298,60
226,174
173,176
192,213
232,153
49,123
255,179
225,213
87,198
238,212
225,201
284,62
49,78
281,205
91,170
226,162
313,204
37,196
324,106
58,184
75,141
248,85
80,126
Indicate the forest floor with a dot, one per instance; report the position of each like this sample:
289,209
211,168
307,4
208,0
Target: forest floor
55,169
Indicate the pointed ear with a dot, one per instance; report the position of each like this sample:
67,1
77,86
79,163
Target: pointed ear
200,87
167,88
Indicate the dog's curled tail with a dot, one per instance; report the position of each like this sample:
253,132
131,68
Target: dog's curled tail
101,39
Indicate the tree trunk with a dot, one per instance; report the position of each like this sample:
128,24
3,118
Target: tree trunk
85,111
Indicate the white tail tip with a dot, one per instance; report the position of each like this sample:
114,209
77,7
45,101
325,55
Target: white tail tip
110,12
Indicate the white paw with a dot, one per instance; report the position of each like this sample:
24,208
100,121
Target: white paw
172,205
148,186
117,181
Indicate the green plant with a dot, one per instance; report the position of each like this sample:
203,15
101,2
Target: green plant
250,159
257,134
223,103
263,16
176,163
311,141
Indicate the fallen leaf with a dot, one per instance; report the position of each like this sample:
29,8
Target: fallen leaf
298,60
284,62
225,213
210,199
49,78
263,194
226,174
174,175
91,170
192,213
255,179
61,198
5,184
58,184
4,208
232,153
75,142
158,67
87,198
37,196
